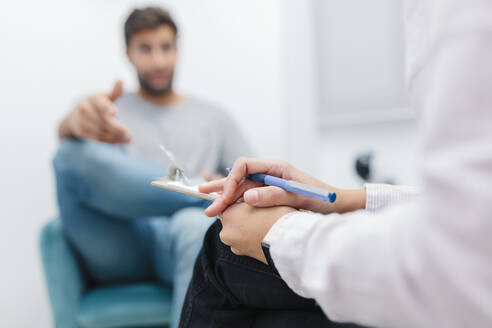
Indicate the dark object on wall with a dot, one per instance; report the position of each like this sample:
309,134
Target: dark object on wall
363,166
368,171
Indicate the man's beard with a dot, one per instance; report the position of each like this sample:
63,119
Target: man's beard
147,86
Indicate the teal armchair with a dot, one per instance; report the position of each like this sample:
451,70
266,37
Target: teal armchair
77,303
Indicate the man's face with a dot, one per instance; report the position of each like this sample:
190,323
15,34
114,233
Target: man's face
154,55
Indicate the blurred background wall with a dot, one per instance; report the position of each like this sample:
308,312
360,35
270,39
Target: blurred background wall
261,59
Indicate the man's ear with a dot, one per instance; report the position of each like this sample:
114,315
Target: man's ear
128,55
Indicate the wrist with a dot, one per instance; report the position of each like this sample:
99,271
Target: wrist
65,129
350,200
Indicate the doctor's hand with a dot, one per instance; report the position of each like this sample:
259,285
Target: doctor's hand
210,176
234,187
244,227
94,118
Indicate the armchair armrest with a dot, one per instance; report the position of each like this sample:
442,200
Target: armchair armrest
64,278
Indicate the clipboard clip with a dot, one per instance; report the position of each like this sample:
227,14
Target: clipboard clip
174,171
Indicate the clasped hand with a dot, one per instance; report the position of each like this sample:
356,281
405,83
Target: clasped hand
245,224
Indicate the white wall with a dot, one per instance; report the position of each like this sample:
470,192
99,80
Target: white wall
329,151
394,146
255,57
361,58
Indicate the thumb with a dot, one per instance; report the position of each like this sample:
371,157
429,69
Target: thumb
270,196
117,91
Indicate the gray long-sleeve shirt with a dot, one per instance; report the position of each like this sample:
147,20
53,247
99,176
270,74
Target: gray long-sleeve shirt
202,136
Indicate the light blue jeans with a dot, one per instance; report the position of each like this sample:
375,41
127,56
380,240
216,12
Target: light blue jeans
124,229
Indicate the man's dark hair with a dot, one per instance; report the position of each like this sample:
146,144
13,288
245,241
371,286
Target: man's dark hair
147,19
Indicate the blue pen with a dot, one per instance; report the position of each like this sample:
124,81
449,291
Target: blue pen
293,186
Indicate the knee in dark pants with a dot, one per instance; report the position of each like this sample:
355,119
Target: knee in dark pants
236,291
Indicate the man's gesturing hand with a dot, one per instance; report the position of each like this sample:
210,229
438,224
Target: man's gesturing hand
94,118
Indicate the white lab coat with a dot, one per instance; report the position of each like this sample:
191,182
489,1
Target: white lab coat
426,262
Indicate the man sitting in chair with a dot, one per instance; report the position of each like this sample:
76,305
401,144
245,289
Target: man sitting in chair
123,229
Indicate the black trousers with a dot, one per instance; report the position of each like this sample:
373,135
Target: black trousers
238,291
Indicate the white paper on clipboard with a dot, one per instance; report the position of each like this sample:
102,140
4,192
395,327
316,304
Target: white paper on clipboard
180,187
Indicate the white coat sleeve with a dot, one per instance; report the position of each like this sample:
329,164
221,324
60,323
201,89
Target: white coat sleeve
427,262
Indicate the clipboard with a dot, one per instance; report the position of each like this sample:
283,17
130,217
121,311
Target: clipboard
180,187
